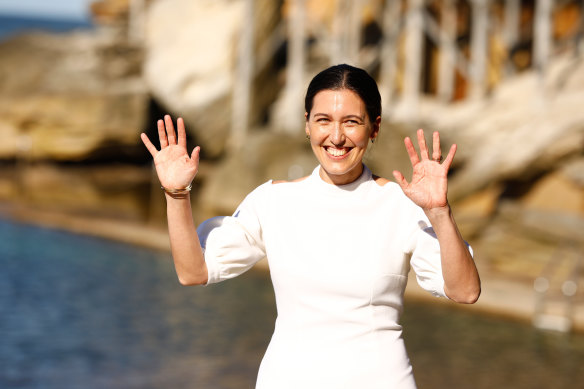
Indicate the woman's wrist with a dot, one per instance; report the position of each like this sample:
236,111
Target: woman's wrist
177,191
170,196
439,213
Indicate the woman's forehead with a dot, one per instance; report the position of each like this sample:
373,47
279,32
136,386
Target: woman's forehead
337,99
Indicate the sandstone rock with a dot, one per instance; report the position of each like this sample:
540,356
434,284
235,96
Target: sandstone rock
547,226
388,153
574,170
520,243
118,191
519,132
74,97
265,156
504,249
190,57
70,127
110,11
474,212
555,193
80,62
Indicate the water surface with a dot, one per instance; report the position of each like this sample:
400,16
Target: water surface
11,25
81,312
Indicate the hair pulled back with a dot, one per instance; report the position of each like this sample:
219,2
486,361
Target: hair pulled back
346,77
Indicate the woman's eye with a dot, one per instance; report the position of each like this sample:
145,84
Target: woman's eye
322,120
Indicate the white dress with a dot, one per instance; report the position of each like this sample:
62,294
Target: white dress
339,257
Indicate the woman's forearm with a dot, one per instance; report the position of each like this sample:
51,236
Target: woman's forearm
187,254
461,278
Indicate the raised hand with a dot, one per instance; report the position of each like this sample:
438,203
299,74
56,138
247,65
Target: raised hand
428,187
175,168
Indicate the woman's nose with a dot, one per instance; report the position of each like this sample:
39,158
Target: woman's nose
338,135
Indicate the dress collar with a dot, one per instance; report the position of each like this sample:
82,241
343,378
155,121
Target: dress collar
354,186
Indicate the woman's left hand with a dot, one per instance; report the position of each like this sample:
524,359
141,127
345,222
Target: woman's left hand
429,186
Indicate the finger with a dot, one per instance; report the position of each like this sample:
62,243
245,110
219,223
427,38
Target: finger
195,154
422,143
436,151
170,130
414,159
195,158
182,133
162,134
148,144
450,156
400,179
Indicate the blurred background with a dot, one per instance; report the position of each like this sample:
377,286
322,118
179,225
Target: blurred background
88,297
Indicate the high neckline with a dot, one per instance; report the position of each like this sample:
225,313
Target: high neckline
354,186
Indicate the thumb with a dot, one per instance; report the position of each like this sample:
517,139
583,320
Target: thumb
400,179
195,154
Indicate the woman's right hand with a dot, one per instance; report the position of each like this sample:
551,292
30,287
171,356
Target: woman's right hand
175,168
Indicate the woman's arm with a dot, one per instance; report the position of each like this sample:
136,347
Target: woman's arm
461,278
187,254
176,170
428,189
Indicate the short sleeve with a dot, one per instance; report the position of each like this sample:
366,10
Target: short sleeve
425,260
233,244
425,256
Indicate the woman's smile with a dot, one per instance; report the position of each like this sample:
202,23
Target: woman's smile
336,152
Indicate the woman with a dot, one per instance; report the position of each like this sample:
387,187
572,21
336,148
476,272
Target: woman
339,242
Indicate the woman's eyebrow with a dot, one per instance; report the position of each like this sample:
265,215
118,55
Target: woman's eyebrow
362,118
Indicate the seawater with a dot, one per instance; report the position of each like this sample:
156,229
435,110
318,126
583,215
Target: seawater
82,312
13,25
79,312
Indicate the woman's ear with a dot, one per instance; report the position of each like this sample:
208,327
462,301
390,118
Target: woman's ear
306,129
375,128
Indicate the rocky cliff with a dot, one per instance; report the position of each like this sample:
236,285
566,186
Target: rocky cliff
517,181
70,97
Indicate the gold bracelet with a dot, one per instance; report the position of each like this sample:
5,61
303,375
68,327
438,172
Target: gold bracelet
174,192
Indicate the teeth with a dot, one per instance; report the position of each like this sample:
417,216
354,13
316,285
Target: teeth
336,152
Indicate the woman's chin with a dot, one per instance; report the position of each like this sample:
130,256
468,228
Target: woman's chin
340,175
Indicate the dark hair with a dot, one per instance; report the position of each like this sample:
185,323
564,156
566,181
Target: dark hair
346,77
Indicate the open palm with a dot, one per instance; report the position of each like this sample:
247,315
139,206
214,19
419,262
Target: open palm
429,184
175,168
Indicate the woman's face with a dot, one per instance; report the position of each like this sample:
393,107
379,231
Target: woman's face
339,130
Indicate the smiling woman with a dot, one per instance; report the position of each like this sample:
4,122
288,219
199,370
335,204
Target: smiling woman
339,243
